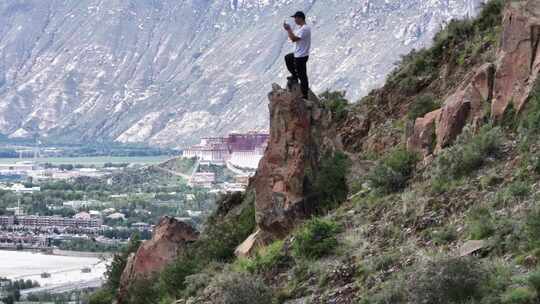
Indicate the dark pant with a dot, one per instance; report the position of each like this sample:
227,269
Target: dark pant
298,69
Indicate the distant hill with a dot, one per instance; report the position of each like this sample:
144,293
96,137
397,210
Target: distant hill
165,72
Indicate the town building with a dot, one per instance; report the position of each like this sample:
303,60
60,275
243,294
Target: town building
141,226
117,216
202,179
20,188
78,204
56,221
7,220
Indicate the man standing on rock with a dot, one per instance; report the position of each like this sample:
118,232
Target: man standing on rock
297,62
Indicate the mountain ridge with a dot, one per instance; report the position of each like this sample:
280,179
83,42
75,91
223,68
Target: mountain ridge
165,73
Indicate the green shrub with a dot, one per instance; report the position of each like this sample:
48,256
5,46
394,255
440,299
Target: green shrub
240,288
534,281
221,237
390,293
444,235
422,105
448,280
392,173
331,183
265,259
102,296
532,228
143,291
336,102
196,282
531,122
172,278
481,224
316,238
384,261
468,153
519,190
520,295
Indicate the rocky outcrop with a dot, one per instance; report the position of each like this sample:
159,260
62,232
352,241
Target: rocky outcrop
287,170
468,104
169,238
497,86
518,58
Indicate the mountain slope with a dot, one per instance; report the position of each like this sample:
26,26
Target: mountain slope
166,72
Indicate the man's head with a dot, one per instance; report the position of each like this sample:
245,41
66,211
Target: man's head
299,18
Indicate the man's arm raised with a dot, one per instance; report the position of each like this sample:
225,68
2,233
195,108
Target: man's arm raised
290,32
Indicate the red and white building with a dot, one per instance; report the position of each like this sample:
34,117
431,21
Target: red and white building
243,150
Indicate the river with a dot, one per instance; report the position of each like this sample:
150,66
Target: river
63,269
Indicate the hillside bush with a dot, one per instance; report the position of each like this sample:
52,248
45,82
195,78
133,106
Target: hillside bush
143,291
172,280
331,182
240,288
531,122
422,105
449,280
336,102
481,224
443,235
221,237
102,296
534,281
265,259
393,171
532,228
392,292
469,152
520,295
315,239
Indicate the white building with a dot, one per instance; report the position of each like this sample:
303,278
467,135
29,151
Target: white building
202,179
117,216
20,188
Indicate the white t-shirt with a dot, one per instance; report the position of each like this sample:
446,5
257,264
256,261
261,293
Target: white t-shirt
304,44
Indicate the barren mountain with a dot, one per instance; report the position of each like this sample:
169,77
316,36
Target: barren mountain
165,72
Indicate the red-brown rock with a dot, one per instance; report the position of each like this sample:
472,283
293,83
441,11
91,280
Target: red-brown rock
423,136
168,240
293,152
518,57
466,105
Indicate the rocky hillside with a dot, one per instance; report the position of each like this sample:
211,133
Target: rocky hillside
425,192
166,72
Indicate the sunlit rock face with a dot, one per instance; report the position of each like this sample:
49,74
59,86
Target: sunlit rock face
166,72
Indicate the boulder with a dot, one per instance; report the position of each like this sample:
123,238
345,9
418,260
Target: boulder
467,105
251,244
422,139
518,58
168,240
471,247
